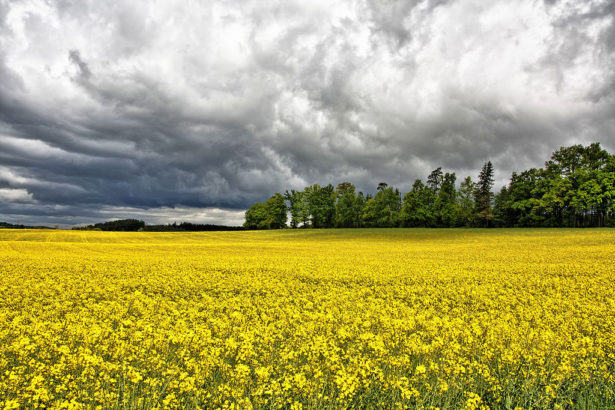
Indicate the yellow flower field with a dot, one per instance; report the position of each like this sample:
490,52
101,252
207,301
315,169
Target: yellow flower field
308,319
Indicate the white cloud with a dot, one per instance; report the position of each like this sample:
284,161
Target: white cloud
15,195
166,215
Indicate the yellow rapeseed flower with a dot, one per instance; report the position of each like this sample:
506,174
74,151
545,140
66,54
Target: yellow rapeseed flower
306,319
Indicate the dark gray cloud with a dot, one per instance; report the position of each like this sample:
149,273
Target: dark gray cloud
75,57
170,111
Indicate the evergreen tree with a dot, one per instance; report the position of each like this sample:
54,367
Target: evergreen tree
483,196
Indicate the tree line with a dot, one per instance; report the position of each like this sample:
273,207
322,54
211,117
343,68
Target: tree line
6,225
575,188
136,225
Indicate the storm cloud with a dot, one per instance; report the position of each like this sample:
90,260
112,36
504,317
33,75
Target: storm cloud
174,111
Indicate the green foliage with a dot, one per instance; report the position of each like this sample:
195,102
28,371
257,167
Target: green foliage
465,203
297,207
435,179
524,200
576,188
383,209
347,214
483,196
276,210
267,215
417,208
358,209
121,225
321,205
256,216
446,201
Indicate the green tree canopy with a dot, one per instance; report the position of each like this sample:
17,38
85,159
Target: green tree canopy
417,209
576,187
383,209
267,215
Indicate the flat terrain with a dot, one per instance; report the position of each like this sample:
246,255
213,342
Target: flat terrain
312,319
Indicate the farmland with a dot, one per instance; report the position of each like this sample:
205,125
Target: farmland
308,319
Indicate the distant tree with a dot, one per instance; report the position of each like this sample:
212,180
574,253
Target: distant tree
604,199
369,216
576,188
297,206
564,172
483,196
189,227
321,205
435,179
267,215
358,209
574,172
465,203
345,216
445,206
344,188
568,161
121,225
276,211
256,217
417,207
6,225
383,209
526,198
502,212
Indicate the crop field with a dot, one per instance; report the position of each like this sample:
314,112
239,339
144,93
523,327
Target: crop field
308,319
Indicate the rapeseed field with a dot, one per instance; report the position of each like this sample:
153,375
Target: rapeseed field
297,319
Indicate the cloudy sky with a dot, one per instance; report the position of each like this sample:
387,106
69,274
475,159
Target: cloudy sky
193,110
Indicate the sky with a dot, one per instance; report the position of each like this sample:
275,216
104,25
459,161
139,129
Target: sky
191,111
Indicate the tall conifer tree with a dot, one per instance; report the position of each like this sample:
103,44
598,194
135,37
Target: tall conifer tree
483,196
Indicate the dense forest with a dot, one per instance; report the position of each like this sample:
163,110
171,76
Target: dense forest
135,225
190,227
575,188
120,225
6,225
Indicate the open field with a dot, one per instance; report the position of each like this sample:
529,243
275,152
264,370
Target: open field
312,319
